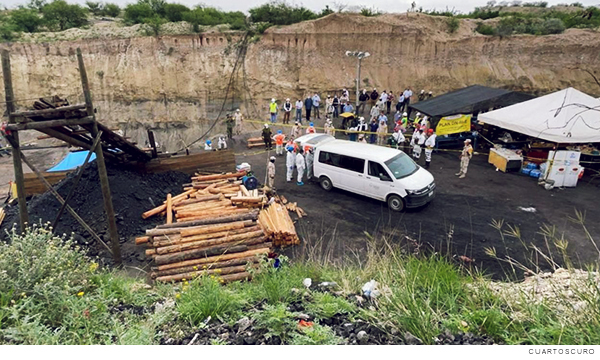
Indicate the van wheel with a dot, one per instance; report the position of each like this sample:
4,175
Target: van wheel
395,203
326,183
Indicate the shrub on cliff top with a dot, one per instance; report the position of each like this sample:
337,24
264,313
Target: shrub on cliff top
26,20
59,15
280,13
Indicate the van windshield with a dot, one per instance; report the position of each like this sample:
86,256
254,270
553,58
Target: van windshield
401,166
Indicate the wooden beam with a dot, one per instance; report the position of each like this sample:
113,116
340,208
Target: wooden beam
18,166
36,125
152,143
46,112
108,205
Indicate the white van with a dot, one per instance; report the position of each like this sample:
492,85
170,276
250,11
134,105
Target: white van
381,173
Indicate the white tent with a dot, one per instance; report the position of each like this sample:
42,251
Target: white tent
566,116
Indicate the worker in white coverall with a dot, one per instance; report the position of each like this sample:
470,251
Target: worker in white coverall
289,163
414,143
271,172
429,146
310,159
300,166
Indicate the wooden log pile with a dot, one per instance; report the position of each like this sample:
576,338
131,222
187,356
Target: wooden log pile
221,245
208,196
255,142
279,227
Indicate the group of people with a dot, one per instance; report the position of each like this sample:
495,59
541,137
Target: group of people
334,105
299,159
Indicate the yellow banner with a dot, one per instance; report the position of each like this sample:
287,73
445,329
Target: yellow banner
453,124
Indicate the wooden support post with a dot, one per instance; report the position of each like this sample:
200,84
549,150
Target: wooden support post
108,205
152,144
18,166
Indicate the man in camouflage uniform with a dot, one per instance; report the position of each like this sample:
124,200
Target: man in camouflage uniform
465,157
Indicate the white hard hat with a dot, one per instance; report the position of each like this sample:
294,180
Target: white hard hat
404,114
425,117
361,118
266,125
288,99
273,100
418,113
422,91
238,110
272,158
468,141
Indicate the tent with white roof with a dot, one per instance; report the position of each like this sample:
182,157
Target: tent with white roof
566,116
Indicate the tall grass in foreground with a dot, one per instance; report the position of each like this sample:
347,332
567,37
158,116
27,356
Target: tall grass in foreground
51,293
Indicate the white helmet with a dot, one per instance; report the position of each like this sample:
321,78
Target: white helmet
422,91
288,99
425,117
273,100
266,125
404,114
272,158
238,110
418,113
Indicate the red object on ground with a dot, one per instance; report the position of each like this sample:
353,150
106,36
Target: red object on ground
303,323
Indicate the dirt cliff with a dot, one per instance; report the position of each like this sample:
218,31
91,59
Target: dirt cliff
176,80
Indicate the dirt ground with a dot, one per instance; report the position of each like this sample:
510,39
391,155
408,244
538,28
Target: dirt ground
457,221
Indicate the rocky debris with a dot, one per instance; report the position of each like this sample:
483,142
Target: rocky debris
132,193
463,339
362,337
564,290
411,339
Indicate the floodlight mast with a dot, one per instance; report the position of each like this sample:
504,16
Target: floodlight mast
360,55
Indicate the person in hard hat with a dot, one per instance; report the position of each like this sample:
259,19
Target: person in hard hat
239,122
329,129
300,166
382,132
429,146
465,157
429,95
310,159
208,145
230,123
273,108
414,143
290,162
425,123
299,106
404,120
222,143
311,129
417,120
398,139
266,135
422,95
296,130
329,106
279,139
271,172
287,111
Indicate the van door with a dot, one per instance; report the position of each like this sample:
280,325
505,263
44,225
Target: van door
352,177
378,182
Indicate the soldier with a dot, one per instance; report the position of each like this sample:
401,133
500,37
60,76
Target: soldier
266,135
229,122
271,172
465,157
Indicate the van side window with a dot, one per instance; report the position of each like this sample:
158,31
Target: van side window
375,169
342,161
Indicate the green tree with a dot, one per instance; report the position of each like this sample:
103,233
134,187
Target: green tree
280,13
158,6
110,9
136,13
7,28
153,25
26,20
326,11
37,4
59,15
175,12
94,7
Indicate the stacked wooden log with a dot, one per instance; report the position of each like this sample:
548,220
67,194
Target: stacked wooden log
256,142
224,246
278,225
293,207
208,196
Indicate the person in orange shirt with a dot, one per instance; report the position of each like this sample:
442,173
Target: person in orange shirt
279,139
311,129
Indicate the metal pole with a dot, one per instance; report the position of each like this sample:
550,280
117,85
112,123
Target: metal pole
108,205
18,166
357,83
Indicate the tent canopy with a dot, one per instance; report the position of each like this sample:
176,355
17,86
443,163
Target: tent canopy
566,116
468,100
72,161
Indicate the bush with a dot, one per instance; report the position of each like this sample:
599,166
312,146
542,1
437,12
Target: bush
484,29
366,11
7,29
112,10
26,20
153,25
37,4
205,297
262,27
276,320
94,7
157,6
59,15
175,12
453,24
280,13
552,26
136,13
326,306
316,335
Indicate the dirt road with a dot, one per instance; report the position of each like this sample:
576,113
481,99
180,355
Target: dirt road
458,220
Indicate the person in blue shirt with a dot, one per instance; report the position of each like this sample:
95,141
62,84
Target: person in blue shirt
382,117
316,101
348,107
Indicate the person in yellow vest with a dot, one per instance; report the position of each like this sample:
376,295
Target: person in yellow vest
465,157
273,110
417,121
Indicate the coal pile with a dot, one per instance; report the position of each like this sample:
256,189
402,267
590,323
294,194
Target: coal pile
132,194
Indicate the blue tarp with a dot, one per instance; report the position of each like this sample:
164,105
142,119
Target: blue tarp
72,161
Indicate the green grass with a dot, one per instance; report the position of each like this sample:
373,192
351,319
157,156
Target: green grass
51,293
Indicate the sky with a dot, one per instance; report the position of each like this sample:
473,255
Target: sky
317,5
